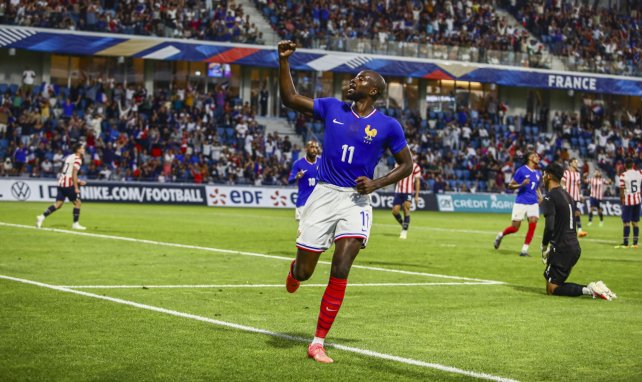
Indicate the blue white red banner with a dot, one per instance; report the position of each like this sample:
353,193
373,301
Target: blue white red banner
115,45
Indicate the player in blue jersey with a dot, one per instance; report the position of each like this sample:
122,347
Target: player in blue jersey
305,172
338,210
526,180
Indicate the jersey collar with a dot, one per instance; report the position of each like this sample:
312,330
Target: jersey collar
374,109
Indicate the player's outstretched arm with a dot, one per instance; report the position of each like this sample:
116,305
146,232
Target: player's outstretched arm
404,160
290,97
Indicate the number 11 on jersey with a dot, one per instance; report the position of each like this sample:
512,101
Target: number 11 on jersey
347,149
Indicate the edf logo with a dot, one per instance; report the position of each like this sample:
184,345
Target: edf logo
246,197
20,190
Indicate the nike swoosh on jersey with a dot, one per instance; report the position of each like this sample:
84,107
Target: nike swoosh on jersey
330,310
337,122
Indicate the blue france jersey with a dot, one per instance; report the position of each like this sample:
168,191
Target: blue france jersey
527,194
353,145
308,181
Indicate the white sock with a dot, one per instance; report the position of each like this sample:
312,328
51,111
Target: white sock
318,340
579,230
586,291
525,248
500,234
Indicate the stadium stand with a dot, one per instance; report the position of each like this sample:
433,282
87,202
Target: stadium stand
469,31
588,39
591,38
203,20
186,136
181,136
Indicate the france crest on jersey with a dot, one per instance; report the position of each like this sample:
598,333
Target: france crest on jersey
353,145
527,194
307,182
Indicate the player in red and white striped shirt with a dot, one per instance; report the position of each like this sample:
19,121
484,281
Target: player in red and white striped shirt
630,184
597,184
68,187
404,191
572,183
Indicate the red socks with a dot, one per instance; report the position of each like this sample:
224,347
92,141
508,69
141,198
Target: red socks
510,229
330,304
530,233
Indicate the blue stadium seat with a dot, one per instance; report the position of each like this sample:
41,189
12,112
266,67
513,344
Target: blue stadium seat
291,117
3,88
13,88
220,131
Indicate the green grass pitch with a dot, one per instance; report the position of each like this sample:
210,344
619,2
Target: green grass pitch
510,330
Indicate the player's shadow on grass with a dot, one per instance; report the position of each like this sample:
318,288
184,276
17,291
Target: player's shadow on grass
505,252
283,343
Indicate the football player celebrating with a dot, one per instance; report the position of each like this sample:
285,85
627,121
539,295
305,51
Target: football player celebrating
339,210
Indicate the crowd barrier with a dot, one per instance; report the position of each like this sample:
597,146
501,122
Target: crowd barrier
39,190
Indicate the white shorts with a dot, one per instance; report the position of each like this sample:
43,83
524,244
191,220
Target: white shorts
297,213
525,210
332,213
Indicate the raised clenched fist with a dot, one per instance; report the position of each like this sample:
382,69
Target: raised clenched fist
286,48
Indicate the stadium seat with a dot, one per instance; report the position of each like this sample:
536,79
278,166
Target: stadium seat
3,88
291,117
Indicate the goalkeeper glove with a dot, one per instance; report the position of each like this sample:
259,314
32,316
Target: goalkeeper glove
546,251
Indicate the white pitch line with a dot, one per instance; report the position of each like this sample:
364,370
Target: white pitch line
258,286
363,352
233,252
479,232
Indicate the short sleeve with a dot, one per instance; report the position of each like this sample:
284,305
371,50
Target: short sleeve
519,176
417,172
323,105
295,170
565,177
77,165
397,140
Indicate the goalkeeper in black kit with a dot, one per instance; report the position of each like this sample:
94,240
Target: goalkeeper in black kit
560,247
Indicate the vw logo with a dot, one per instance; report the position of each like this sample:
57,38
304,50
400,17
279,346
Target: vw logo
20,190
